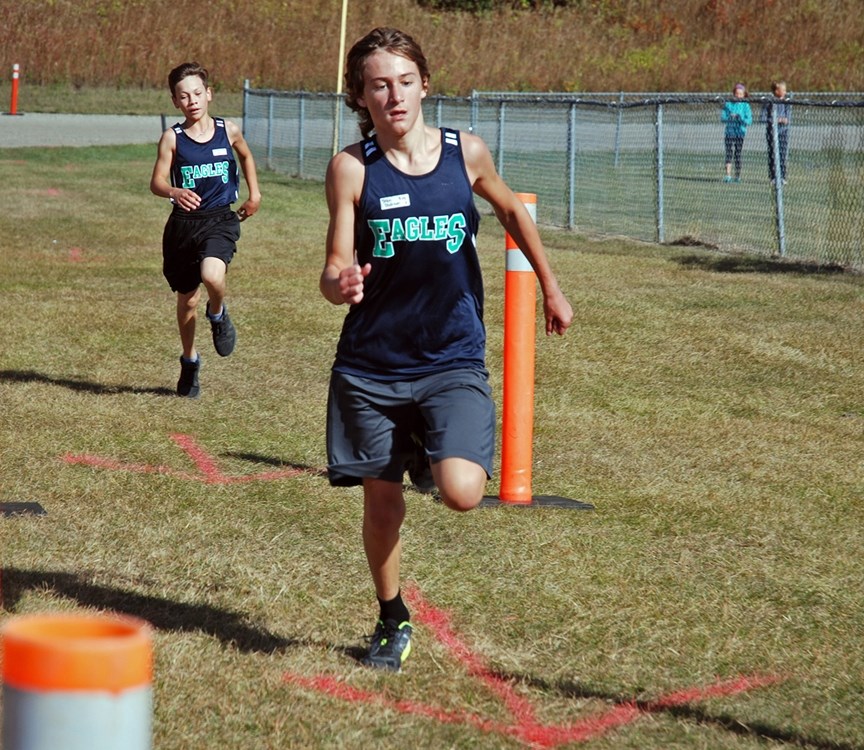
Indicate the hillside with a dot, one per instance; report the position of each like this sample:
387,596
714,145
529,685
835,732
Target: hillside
595,45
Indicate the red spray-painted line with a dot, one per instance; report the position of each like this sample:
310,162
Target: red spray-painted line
525,728
438,621
208,472
332,686
733,686
98,462
533,735
206,465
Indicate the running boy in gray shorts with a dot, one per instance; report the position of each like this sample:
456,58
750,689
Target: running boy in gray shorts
410,363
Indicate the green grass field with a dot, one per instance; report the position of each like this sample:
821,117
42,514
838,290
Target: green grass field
710,407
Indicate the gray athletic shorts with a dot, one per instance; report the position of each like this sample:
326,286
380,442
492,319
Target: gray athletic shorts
370,423
191,236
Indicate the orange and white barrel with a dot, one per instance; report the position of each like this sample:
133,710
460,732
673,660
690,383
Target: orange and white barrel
77,682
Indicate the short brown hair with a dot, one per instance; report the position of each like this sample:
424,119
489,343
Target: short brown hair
382,38
184,70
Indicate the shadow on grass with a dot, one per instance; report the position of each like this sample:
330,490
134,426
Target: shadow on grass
687,178
694,713
84,386
753,264
257,458
229,627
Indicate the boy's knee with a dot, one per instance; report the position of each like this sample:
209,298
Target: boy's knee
384,518
384,506
460,483
213,270
189,301
462,502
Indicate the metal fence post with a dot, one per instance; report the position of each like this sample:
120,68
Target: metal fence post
301,143
571,167
270,131
499,146
778,183
618,128
658,153
472,127
245,104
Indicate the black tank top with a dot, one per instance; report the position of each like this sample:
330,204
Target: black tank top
207,168
422,309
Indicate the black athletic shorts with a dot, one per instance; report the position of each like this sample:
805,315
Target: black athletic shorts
191,236
370,423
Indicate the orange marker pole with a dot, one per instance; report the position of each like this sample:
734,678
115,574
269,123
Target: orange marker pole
517,424
13,107
77,682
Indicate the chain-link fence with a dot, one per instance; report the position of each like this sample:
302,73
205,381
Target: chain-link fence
644,166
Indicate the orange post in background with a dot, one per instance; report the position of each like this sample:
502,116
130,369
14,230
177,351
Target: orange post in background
13,107
517,425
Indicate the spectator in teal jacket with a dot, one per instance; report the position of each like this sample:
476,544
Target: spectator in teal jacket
737,115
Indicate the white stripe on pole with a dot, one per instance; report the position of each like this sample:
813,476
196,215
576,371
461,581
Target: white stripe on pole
516,260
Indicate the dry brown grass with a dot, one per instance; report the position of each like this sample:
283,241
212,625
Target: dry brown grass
633,45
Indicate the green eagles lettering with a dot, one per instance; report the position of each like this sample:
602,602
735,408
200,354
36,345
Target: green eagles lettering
200,171
417,228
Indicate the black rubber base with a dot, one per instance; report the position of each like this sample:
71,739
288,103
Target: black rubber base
537,501
22,509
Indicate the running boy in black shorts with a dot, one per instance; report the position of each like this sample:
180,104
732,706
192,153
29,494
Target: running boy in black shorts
197,171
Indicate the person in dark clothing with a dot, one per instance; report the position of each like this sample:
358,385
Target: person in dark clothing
782,109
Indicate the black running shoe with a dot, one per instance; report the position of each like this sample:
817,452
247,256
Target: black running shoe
224,333
390,645
187,385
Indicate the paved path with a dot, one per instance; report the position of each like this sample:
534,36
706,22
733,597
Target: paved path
36,129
